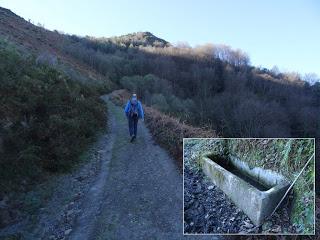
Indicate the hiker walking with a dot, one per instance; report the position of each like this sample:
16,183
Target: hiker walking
133,111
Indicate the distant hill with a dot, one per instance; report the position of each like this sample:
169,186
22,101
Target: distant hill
140,39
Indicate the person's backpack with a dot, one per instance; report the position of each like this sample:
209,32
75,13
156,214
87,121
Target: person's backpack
134,109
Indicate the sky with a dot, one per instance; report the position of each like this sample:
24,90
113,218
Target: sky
284,33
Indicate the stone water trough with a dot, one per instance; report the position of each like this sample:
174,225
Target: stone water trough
255,191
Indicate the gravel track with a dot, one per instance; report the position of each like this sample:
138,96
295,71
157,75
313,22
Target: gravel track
141,191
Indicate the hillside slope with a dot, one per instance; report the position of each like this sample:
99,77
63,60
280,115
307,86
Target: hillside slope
39,41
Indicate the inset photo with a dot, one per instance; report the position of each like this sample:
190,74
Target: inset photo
249,186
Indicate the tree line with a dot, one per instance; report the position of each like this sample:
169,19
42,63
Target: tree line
209,85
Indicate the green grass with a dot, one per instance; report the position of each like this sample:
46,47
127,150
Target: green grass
302,215
286,156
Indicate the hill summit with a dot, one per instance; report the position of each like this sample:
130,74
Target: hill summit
140,39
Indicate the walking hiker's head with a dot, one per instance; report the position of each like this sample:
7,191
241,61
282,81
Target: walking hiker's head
133,99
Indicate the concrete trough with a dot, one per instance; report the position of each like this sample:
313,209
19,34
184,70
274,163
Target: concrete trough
255,191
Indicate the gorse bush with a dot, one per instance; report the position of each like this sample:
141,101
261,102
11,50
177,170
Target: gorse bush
46,119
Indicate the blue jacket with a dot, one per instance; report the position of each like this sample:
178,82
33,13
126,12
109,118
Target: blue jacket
140,109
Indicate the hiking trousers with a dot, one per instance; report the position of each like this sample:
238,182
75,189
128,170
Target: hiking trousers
133,125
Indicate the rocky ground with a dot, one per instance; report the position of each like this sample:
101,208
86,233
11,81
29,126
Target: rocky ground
208,210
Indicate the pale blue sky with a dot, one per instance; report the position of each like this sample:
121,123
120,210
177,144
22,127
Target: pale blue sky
273,32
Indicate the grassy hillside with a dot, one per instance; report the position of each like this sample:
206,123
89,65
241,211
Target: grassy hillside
46,118
46,45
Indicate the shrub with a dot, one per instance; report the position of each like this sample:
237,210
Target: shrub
169,132
46,119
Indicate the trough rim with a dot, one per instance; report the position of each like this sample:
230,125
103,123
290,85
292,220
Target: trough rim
284,181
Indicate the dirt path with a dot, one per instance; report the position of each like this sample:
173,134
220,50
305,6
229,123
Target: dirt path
137,194
122,190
